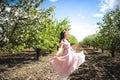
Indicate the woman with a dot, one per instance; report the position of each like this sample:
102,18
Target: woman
69,61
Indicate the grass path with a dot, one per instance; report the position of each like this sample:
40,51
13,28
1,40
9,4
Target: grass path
34,70
97,66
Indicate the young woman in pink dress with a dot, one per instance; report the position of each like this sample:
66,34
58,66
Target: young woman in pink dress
66,60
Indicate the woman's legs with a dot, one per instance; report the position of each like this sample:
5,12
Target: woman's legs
62,78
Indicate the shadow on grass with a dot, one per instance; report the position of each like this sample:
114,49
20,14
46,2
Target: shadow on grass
19,59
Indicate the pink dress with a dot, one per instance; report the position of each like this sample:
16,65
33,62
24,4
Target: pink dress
69,61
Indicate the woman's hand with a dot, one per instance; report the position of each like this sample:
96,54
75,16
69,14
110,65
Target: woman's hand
72,49
56,54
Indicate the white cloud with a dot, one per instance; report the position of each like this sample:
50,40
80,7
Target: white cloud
53,0
98,15
109,4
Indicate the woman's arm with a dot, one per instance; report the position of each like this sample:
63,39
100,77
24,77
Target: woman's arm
72,49
60,49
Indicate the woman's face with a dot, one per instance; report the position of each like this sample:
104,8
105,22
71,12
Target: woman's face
66,34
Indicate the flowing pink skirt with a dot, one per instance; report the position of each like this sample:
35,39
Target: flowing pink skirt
65,65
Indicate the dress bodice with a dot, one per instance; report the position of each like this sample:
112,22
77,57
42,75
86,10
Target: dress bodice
66,47
65,44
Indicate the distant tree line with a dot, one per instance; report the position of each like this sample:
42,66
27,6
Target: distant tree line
108,36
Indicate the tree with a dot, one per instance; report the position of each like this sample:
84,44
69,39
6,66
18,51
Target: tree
89,40
24,25
100,42
13,18
110,30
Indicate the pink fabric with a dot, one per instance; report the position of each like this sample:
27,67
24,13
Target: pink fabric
69,61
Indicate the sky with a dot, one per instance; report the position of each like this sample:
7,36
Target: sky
82,14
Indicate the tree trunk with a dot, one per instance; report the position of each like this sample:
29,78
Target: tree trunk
13,32
113,48
96,48
93,47
102,50
50,51
38,50
113,52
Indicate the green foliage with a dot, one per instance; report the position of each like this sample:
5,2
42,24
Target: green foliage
109,34
89,40
23,25
73,39
109,29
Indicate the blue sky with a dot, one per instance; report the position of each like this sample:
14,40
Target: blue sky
82,14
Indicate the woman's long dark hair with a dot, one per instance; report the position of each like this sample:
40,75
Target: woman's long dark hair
62,35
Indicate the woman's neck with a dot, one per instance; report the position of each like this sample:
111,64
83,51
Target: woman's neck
64,38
